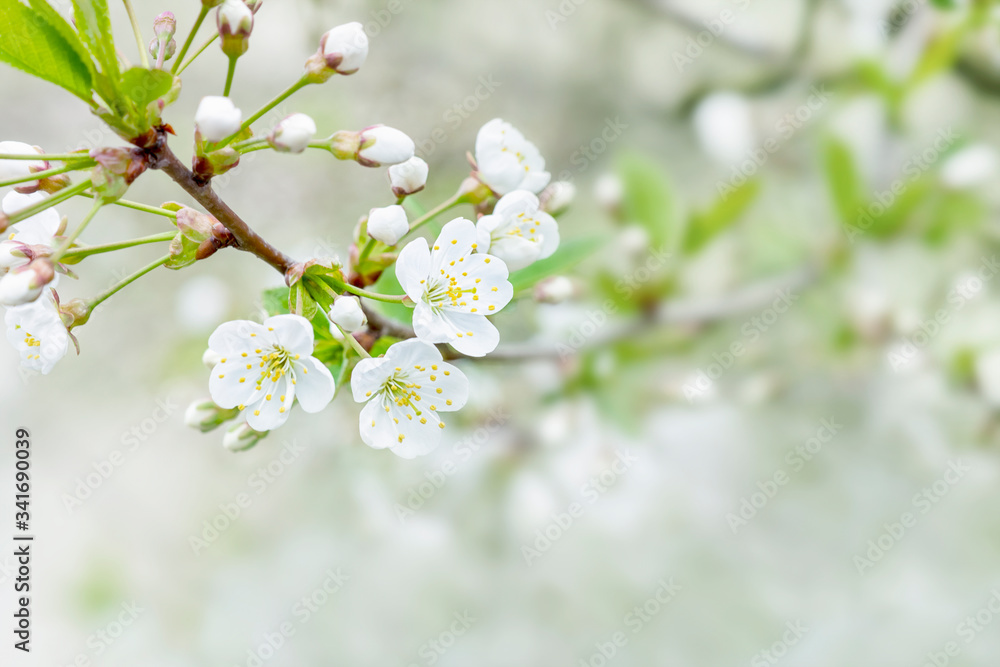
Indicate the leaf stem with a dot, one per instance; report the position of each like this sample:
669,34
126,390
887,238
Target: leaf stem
353,342
190,38
140,42
87,251
366,251
451,202
128,280
45,156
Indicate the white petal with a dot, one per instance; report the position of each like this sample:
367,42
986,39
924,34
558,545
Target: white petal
377,428
412,268
292,332
225,386
476,336
272,405
455,241
368,377
237,336
314,385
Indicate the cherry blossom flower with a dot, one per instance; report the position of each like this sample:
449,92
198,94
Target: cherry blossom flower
405,391
11,169
388,224
293,134
346,313
506,161
454,289
408,177
518,231
217,118
345,48
36,230
265,367
37,332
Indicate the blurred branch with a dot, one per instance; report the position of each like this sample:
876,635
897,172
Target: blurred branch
688,312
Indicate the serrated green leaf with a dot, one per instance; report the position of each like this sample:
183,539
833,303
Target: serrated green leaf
93,21
143,86
569,254
708,224
35,43
275,301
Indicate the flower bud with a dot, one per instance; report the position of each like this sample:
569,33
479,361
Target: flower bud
347,314
254,5
554,290
24,284
609,192
211,358
408,177
558,197
241,437
115,171
342,50
165,25
206,416
12,169
293,134
217,118
154,49
235,21
388,224
373,146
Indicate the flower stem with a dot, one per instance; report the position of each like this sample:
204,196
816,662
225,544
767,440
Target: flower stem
385,298
366,251
229,75
48,202
64,247
128,280
45,156
140,42
45,174
87,251
451,202
201,49
353,342
281,97
137,206
190,38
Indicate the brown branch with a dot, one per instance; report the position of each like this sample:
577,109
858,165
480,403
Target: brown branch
246,239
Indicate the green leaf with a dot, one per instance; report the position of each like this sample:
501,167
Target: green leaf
34,42
706,225
93,21
569,254
843,179
143,86
275,301
648,199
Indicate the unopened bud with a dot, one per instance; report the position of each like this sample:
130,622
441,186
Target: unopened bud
293,134
557,197
24,284
408,177
165,25
206,416
241,437
554,290
388,224
154,49
342,50
346,313
235,22
217,118
115,170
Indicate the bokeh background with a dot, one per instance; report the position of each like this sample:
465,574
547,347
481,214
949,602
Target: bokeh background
805,390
